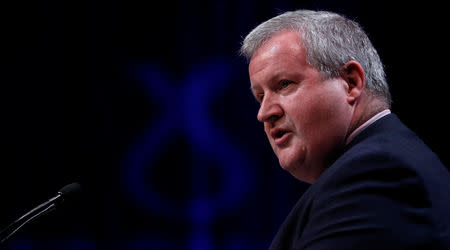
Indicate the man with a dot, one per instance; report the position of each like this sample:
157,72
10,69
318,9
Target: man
325,105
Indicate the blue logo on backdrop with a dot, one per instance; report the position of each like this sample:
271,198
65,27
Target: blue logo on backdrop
185,109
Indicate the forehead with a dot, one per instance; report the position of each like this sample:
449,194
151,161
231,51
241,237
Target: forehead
282,41
284,51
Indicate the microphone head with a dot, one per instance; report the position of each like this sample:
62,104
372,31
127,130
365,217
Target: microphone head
70,190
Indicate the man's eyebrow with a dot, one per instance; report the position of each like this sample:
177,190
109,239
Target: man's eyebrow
275,77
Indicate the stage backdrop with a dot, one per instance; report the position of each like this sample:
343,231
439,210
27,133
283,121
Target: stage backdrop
148,107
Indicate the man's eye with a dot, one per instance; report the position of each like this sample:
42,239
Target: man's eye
285,83
260,98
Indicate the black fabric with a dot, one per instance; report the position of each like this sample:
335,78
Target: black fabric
388,190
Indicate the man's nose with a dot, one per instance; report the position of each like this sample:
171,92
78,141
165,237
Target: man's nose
270,110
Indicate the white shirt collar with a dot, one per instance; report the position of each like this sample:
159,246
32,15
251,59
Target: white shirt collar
366,124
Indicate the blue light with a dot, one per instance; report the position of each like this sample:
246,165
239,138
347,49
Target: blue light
187,110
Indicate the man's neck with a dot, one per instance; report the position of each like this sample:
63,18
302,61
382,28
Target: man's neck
364,111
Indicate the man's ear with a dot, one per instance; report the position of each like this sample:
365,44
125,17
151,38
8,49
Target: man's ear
354,75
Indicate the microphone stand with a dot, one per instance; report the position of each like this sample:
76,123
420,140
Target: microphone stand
42,209
67,191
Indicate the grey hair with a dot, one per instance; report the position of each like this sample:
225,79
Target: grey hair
331,40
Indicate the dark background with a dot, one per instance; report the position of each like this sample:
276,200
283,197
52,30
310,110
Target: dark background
148,106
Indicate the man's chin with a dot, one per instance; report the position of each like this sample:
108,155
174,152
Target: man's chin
301,173
298,169
290,166
290,159
285,166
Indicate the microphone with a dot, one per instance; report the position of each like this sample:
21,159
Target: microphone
65,193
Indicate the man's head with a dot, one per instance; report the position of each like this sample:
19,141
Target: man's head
317,77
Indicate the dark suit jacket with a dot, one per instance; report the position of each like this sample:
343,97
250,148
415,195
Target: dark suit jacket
388,190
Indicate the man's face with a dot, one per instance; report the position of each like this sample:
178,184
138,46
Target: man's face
306,118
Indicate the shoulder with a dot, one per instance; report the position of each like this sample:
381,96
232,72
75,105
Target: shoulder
380,191
388,144
359,206
389,160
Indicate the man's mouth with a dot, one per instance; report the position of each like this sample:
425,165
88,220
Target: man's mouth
280,136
